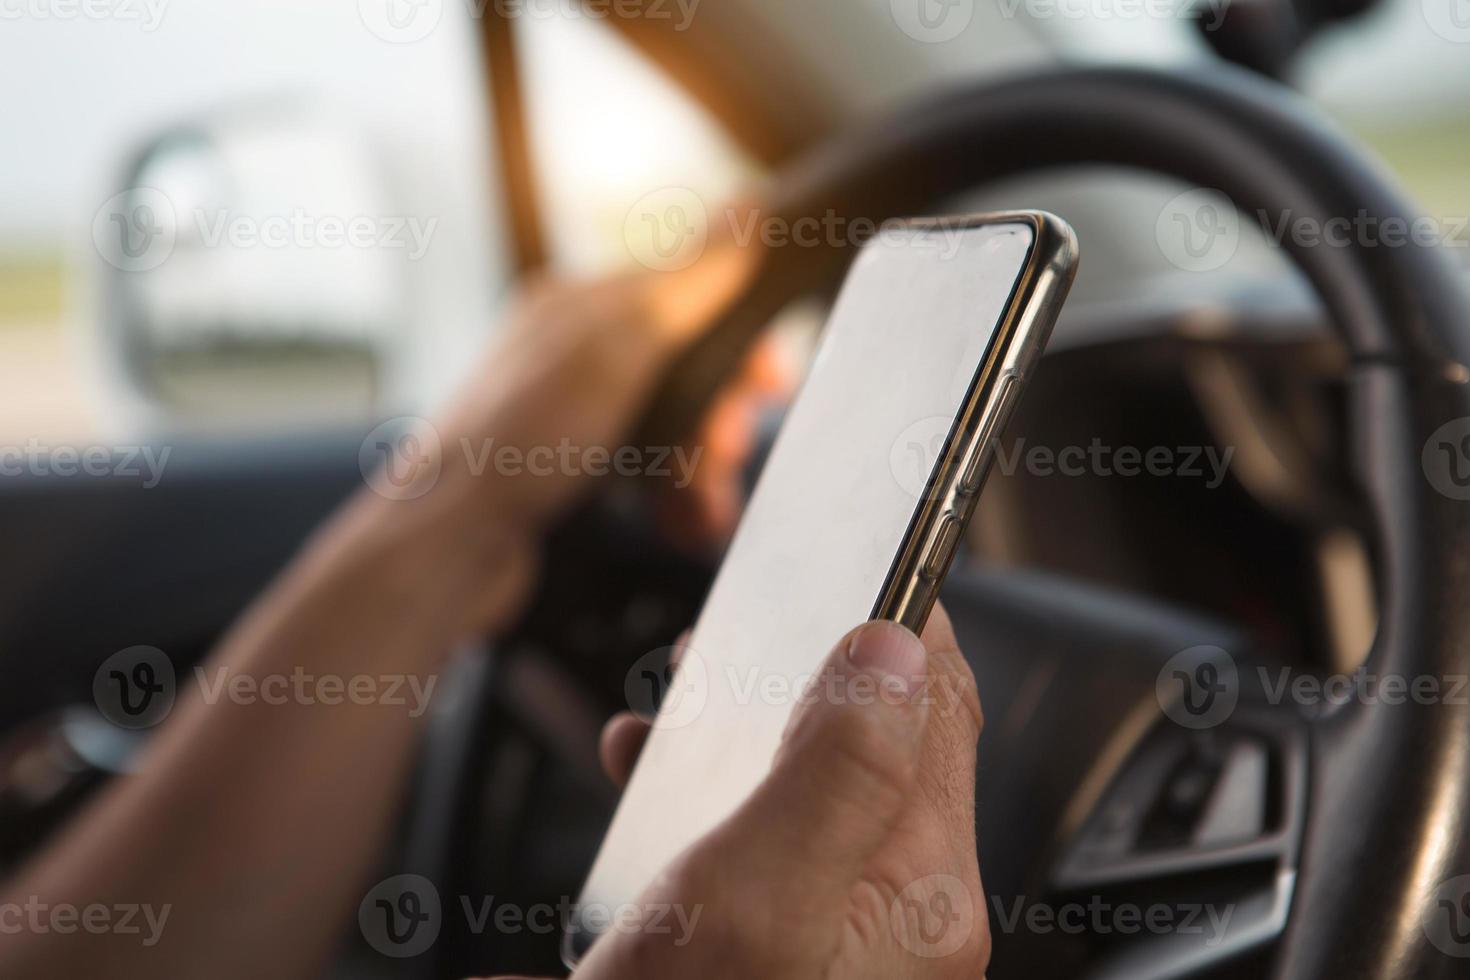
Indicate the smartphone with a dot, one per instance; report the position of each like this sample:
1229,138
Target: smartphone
857,514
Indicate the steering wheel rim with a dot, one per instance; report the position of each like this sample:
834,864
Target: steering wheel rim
1405,320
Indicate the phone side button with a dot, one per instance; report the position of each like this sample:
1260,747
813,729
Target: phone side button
941,546
970,482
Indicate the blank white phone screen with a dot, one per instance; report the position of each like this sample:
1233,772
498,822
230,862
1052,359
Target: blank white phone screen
911,326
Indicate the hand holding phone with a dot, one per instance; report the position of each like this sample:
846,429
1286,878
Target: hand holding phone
852,858
856,516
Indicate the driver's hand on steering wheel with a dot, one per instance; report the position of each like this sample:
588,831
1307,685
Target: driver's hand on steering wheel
856,856
575,366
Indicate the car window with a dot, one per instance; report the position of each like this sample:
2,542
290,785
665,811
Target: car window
1399,78
305,230
626,161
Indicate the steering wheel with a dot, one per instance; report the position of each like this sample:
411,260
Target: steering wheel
1362,812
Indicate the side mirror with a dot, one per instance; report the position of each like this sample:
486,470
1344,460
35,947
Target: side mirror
256,269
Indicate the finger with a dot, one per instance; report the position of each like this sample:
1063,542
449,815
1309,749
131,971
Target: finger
951,680
944,803
624,734
947,772
622,739
846,770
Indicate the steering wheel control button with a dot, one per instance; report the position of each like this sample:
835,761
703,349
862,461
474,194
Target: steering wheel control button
1236,810
1005,397
941,546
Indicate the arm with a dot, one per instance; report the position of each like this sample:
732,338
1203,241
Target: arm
249,833
251,826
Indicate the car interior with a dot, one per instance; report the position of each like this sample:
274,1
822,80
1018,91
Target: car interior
1297,389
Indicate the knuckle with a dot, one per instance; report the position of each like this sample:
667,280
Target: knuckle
958,692
865,762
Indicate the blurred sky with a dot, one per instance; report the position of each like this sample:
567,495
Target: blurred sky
79,91
1389,63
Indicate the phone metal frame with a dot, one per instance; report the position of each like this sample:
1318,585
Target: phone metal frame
949,499
928,548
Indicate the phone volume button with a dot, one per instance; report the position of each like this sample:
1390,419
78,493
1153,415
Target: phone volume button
975,470
941,546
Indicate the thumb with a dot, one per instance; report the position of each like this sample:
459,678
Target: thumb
847,768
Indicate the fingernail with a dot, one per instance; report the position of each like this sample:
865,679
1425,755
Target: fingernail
890,650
